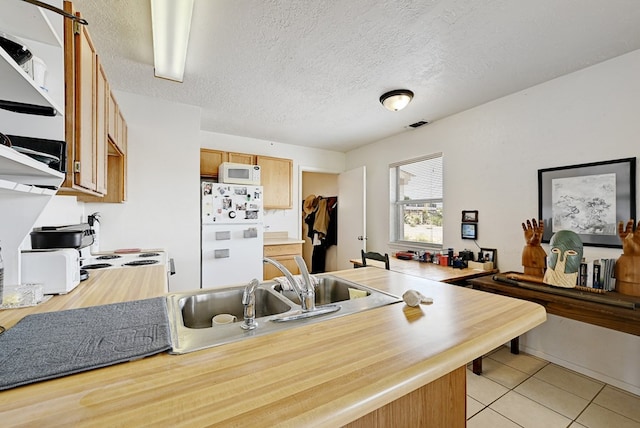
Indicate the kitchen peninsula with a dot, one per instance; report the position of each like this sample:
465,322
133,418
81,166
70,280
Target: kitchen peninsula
395,363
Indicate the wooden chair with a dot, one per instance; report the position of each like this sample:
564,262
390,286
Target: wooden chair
372,255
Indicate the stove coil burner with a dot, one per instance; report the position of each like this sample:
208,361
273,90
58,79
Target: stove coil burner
97,266
108,257
141,262
149,255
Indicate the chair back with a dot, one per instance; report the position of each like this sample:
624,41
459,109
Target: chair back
372,255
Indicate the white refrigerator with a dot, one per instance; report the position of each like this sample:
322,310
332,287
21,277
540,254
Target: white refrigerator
232,234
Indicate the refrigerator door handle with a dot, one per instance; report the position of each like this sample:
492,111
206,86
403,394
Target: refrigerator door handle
223,235
252,232
221,254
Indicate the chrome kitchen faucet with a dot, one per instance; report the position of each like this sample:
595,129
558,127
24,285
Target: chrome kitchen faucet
306,294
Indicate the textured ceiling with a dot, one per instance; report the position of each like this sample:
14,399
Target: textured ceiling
310,72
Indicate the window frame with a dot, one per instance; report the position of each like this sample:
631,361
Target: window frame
397,208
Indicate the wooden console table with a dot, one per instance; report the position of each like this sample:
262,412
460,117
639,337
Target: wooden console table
430,271
610,310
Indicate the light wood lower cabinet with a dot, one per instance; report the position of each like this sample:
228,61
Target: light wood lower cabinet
284,254
441,403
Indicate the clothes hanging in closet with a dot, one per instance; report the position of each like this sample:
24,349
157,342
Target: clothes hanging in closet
322,221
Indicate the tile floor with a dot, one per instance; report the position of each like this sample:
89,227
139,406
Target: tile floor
525,391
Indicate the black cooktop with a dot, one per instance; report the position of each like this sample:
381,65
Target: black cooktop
149,255
141,262
108,257
97,266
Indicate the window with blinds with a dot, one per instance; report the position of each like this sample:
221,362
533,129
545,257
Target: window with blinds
416,202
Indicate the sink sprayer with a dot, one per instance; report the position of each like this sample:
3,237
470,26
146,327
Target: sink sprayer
249,302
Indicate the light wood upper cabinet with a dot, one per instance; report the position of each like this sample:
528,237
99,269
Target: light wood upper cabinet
117,126
95,129
83,138
210,160
243,158
276,175
116,156
102,96
112,116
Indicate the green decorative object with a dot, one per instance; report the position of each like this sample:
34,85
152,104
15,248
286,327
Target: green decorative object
564,261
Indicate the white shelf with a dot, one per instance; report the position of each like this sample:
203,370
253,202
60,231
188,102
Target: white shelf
41,30
22,200
20,168
27,21
11,187
18,86
26,185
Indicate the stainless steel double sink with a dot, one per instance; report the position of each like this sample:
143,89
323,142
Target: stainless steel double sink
191,313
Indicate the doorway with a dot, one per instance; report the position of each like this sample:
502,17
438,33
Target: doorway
350,187
325,185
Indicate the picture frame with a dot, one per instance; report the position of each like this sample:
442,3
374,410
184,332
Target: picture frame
490,255
469,231
589,199
470,216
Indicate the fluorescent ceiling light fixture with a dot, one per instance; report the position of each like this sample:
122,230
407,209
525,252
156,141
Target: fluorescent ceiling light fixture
396,100
171,22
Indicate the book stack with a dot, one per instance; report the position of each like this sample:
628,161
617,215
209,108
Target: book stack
598,274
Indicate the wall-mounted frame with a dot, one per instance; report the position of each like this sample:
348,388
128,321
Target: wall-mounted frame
589,199
469,231
490,255
469,216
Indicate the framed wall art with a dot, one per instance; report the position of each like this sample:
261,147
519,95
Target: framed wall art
588,199
469,231
469,216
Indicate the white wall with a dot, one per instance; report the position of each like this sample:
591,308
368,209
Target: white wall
491,157
163,178
303,158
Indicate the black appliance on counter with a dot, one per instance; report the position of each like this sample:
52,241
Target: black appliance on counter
78,236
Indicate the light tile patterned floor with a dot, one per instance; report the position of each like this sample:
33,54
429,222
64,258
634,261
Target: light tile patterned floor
524,391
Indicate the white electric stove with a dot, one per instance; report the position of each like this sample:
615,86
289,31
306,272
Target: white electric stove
128,260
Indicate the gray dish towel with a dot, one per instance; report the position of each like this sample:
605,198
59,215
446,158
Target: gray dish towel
54,344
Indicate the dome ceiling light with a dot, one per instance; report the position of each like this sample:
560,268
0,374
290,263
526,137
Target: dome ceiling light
396,100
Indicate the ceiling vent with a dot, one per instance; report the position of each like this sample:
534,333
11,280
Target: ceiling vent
418,124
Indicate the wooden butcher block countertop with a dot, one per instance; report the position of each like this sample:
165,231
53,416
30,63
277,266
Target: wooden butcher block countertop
323,374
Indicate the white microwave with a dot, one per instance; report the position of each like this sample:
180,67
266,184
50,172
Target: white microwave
239,173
